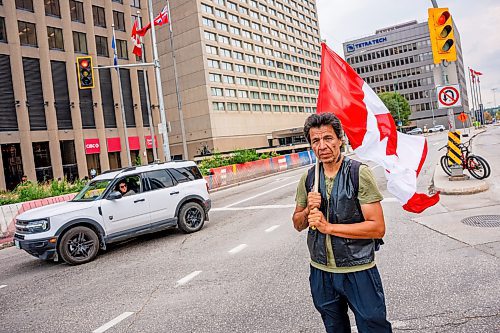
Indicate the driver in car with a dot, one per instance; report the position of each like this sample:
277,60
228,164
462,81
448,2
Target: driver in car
123,188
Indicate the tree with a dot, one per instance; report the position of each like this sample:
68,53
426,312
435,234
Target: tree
498,115
396,102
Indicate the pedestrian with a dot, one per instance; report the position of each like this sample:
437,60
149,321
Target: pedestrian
93,173
346,224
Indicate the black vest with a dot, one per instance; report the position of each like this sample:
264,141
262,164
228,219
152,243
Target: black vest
344,208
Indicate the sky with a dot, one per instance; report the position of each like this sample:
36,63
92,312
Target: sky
478,22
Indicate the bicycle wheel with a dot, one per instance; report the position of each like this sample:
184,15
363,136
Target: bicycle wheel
445,165
486,166
477,168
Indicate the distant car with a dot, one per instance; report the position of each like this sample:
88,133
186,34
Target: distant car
437,128
417,130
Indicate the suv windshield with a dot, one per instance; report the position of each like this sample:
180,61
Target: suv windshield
93,190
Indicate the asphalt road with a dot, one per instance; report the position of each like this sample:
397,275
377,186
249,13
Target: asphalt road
247,271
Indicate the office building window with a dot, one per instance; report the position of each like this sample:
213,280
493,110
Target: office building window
55,37
101,45
80,42
99,16
27,33
218,106
118,1
76,10
121,49
52,8
3,31
119,20
24,4
135,3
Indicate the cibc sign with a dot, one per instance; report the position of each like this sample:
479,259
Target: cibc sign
92,146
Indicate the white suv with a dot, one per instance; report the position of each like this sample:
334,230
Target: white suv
114,206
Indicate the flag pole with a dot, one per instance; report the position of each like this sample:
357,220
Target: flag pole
480,101
146,91
124,119
159,90
179,101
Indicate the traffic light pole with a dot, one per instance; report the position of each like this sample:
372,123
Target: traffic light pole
159,90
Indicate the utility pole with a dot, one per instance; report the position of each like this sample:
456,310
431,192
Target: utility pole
494,97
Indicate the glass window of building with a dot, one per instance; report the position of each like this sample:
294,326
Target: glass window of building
80,42
210,36
245,107
24,5
55,37
207,9
27,33
214,77
76,11
227,66
121,49
52,8
101,45
99,16
213,63
218,106
135,3
119,20
228,79
118,1
208,22
3,31
232,106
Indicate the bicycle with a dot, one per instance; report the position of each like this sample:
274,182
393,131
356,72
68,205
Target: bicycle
477,166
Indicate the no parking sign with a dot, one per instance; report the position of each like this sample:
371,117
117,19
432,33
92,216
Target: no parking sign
449,96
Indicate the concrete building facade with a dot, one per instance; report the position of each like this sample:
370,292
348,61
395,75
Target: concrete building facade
246,68
399,58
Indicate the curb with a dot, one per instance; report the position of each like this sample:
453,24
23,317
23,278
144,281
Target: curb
458,187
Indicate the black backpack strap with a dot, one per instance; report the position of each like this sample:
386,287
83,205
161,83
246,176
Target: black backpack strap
354,174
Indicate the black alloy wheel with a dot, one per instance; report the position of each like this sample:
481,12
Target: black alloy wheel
477,167
444,164
191,217
79,245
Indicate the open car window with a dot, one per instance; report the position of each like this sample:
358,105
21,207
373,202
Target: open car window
93,190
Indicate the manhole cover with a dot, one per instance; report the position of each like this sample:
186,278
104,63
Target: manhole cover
485,221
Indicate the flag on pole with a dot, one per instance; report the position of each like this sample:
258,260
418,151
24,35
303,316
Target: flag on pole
159,20
136,40
371,130
113,46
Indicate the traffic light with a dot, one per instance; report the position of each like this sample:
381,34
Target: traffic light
442,36
85,72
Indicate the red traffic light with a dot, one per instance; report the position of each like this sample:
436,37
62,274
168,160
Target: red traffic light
443,18
84,63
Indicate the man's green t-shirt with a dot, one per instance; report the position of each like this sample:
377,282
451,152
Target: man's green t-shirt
368,192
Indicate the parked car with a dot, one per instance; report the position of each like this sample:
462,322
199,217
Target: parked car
417,130
437,128
114,206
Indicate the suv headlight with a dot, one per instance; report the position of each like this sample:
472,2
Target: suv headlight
33,226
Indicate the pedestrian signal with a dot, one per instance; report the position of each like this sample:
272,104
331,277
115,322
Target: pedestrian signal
442,36
85,72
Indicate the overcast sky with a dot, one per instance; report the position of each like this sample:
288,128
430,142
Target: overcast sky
477,21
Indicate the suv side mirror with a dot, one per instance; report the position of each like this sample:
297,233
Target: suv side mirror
114,195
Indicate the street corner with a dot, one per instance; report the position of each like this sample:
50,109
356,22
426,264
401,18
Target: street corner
442,184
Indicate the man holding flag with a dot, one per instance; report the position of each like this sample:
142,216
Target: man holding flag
339,201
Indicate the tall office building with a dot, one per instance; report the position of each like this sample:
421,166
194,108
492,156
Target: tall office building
246,68
399,58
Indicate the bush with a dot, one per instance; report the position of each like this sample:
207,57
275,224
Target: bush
238,157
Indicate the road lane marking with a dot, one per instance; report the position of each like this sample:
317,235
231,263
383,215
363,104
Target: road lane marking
238,249
188,278
390,200
113,322
258,195
274,227
3,286
251,208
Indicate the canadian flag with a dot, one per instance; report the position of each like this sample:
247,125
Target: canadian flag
371,130
160,19
136,40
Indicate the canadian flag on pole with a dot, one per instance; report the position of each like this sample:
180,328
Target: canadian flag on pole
136,40
371,130
160,19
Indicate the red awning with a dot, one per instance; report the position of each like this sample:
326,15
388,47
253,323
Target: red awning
114,144
133,143
92,146
149,143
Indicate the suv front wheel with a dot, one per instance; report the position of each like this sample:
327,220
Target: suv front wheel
79,245
191,217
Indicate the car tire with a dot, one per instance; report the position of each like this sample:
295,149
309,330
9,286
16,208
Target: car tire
78,245
191,217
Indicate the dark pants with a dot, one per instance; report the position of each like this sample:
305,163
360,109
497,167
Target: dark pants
333,293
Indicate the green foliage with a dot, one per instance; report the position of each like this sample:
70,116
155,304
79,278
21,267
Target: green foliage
396,103
32,191
497,115
238,157
138,160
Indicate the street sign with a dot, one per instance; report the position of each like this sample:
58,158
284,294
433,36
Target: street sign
462,117
449,96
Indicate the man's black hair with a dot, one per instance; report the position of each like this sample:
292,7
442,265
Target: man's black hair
323,119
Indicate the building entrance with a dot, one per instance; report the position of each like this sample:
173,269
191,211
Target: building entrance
12,165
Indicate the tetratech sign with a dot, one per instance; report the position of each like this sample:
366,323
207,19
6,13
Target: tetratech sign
354,47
